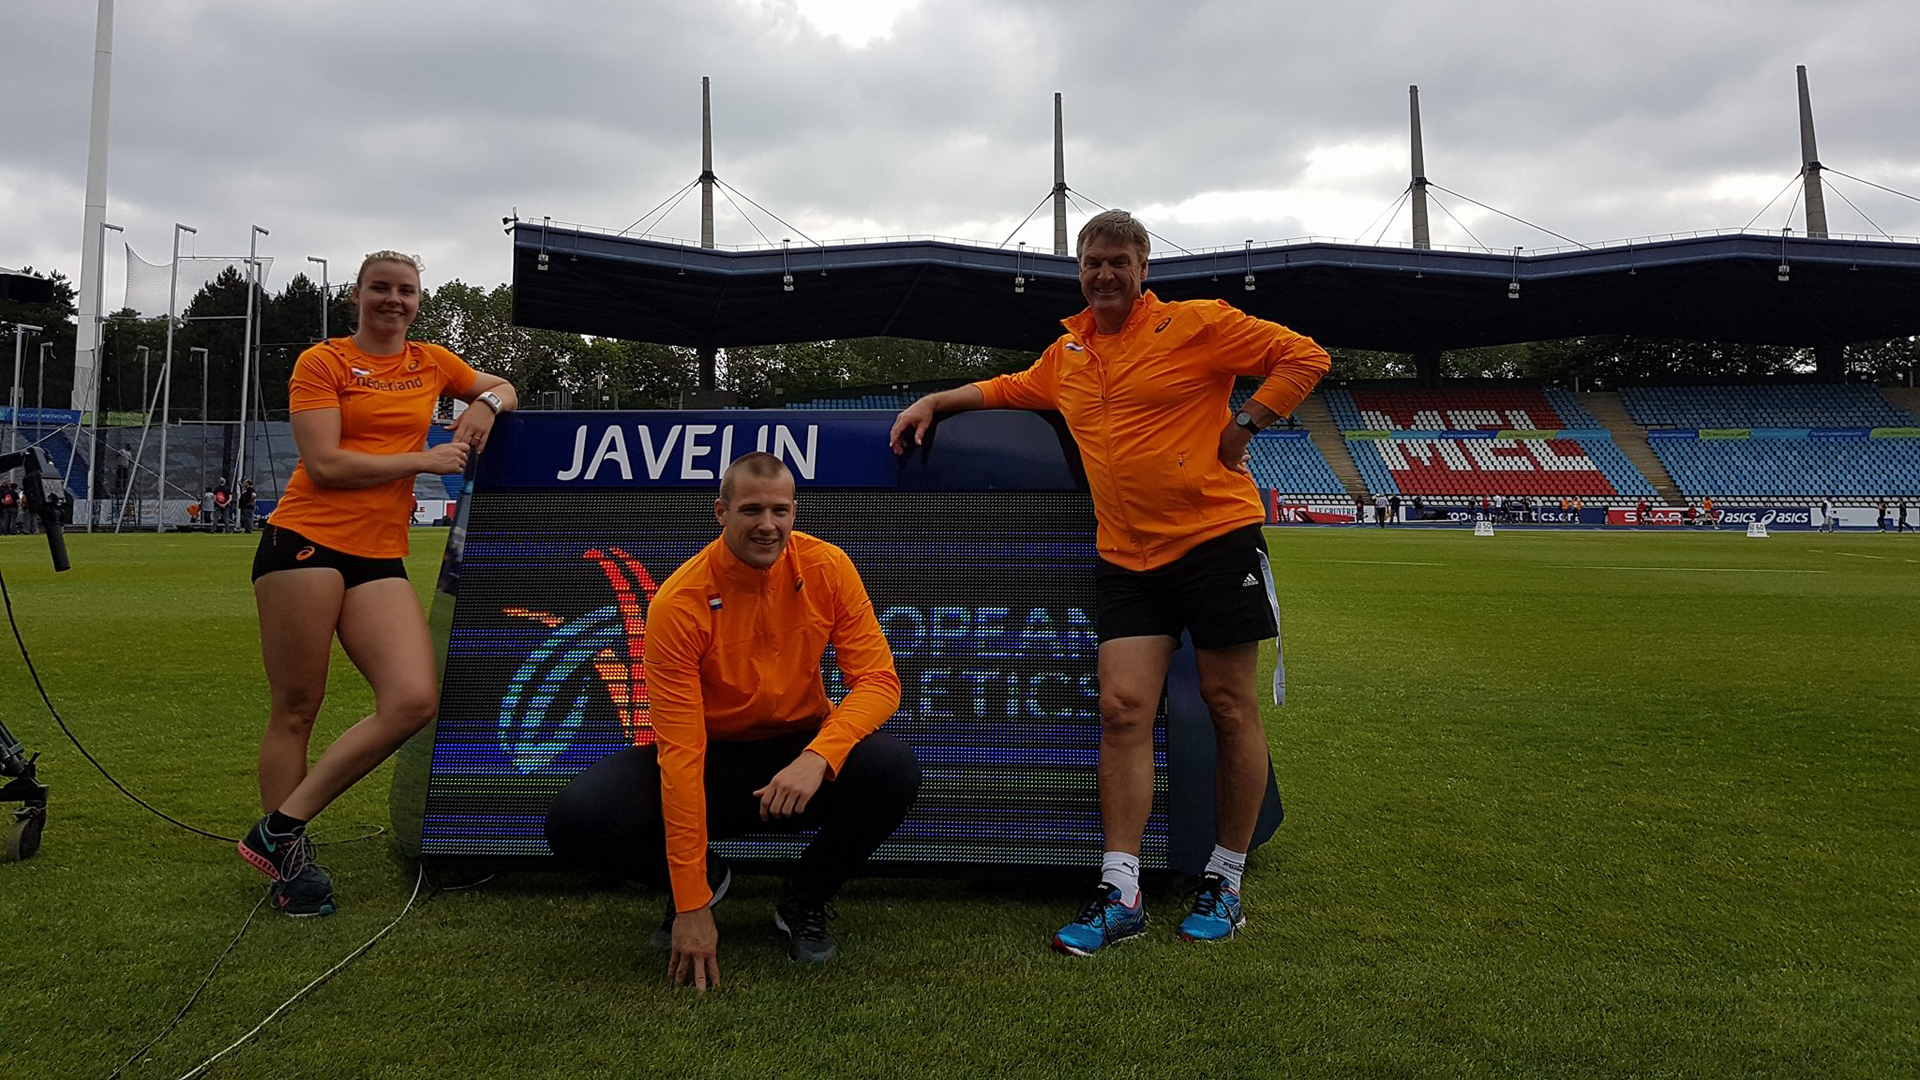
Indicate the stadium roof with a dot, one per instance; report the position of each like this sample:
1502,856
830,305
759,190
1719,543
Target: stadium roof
1735,287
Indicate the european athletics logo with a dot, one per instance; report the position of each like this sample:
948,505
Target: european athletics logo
545,704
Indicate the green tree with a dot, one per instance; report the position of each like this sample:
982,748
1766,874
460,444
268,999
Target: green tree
57,326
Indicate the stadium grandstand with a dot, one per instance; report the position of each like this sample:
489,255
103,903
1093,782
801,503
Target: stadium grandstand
1457,443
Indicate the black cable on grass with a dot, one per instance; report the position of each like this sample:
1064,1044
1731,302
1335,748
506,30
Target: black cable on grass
372,830
195,996
55,713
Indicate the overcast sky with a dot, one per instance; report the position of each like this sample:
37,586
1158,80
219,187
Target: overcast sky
353,125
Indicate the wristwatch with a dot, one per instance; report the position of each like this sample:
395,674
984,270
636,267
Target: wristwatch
493,401
1245,419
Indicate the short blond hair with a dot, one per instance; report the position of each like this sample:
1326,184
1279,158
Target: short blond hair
388,255
1113,225
759,464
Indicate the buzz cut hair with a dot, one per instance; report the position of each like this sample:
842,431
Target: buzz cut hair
1113,225
387,255
759,464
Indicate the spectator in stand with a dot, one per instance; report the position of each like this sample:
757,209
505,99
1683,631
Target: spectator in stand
248,498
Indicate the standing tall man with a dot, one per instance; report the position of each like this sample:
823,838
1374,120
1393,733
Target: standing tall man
1144,387
746,739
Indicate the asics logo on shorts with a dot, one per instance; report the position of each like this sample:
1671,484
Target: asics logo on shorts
304,553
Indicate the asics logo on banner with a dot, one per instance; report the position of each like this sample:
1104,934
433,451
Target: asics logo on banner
545,703
1251,582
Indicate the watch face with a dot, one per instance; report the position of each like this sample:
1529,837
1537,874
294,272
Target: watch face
1245,420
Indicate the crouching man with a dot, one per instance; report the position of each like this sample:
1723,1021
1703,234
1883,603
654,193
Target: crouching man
746,739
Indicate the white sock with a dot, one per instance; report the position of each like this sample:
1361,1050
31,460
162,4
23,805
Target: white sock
1122,871
1231,865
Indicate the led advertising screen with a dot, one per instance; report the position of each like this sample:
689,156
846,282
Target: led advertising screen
978,556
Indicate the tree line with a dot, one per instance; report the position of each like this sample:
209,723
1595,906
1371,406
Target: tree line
552,367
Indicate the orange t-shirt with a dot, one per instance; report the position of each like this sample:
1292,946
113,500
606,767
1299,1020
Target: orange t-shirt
386,404
733,655
1147,406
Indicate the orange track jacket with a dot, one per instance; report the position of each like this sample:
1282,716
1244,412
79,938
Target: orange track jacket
733,655
1147,406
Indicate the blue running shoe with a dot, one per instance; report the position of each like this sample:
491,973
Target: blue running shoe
1216,911
1104,921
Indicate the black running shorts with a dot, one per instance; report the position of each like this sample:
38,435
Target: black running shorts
1220,592
284,549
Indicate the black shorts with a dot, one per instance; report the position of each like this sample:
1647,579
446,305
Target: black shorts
1221,592
284,549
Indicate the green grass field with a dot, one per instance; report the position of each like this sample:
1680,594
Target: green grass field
1559,805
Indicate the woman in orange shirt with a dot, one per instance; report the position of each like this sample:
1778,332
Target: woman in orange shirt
331,560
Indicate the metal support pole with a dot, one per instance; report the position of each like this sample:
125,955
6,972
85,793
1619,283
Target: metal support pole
99,337
325,296
1059,181
1422,234
246,357
166,368
20,331
205,425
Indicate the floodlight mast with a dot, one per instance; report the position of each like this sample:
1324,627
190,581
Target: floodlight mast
86,354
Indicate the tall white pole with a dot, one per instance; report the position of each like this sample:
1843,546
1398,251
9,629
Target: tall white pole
86,346
324,297
246,349
93,403
166,369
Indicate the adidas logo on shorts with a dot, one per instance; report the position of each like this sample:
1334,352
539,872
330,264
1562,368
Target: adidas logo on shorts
1251,582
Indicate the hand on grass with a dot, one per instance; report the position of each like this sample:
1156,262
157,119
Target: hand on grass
695,959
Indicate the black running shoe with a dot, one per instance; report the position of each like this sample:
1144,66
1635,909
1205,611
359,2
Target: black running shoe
804,924
719,880
273,854
308,892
